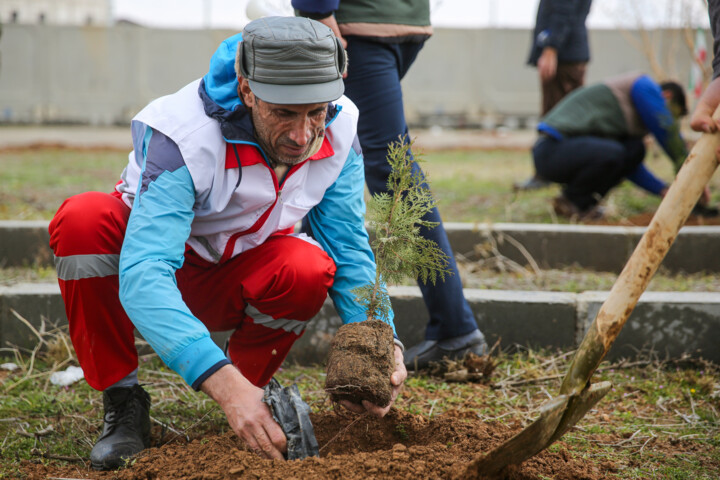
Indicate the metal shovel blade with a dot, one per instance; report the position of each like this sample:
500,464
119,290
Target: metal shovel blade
578,406
556,417
525,444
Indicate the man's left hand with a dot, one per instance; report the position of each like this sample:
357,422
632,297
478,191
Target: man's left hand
397,379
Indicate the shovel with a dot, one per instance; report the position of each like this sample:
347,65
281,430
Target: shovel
577,394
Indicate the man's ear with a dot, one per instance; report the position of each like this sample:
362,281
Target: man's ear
244,92
667,95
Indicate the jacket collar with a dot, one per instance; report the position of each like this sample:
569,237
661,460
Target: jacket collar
235,125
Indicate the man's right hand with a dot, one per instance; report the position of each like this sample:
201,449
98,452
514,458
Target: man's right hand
702,119
547,64
247,414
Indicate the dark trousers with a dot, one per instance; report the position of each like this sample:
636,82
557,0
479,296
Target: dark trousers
373,84
568,77
587,166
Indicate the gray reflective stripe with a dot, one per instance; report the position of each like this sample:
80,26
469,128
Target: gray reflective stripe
76,267
294,326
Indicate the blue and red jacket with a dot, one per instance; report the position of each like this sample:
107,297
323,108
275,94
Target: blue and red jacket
197,177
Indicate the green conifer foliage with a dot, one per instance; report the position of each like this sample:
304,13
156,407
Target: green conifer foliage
396,219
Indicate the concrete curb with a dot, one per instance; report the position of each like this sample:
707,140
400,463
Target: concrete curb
594,247
25,243
670,323
600,248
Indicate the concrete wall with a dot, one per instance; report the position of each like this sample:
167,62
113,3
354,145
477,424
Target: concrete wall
104,76
593,247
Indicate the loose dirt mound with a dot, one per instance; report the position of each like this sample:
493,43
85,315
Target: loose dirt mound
400,446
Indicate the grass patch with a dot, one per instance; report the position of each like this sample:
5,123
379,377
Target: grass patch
34,182
13,275
575,279
469,185
475,275
476,186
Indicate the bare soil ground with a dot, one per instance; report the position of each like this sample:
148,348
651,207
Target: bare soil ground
659,421
400,446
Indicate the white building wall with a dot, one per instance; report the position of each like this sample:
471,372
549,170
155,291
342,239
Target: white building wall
56,12
102,76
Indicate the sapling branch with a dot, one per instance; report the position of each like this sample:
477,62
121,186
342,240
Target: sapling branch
396,217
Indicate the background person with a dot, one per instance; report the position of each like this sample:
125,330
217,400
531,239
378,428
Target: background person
593,139
560,50
200,231
383,39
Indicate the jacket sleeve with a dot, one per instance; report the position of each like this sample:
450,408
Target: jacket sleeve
560,15
644,178
316,8
338,224
152,251
655,115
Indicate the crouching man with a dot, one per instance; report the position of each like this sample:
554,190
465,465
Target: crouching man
198,234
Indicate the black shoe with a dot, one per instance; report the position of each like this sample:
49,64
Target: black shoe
126,427
565,208
419,356
705,211
532,183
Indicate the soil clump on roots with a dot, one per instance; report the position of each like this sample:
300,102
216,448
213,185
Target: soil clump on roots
399,446
360,363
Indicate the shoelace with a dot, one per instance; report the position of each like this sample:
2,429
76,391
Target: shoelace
121,411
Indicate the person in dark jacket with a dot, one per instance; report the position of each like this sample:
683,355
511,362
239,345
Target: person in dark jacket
593,139
561,52
383,39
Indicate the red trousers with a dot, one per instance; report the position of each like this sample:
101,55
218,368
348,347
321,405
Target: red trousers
266,294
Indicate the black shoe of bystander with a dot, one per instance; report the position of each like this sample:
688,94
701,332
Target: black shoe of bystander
532,183
705,211
563,207
419,356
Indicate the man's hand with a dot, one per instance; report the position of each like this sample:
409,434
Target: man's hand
547,64
247,415
705,197
397,379
332,23
702,119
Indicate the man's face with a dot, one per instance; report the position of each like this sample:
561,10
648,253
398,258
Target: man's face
675,109
288,134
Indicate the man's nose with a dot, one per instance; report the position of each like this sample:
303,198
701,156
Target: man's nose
301,131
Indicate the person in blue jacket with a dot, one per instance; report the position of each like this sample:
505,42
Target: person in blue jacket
383,39
198,235
593,139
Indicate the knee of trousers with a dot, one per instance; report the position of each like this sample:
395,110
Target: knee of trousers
304,277
88,223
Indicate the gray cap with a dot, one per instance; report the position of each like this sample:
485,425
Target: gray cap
291,60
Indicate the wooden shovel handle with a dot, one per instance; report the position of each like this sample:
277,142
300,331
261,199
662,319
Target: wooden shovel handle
645,260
